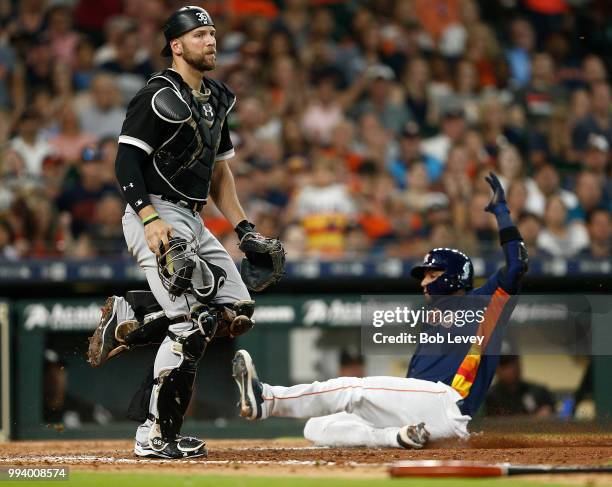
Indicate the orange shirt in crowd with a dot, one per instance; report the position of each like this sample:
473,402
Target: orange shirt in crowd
325,232
437,15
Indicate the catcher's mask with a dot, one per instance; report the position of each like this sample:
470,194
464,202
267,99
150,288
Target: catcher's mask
175,266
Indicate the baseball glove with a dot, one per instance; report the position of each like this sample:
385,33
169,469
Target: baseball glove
264,263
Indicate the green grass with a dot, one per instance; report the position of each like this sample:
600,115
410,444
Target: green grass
115,479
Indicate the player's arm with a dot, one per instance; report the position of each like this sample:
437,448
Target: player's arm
222,185
142,131
510,276
223,193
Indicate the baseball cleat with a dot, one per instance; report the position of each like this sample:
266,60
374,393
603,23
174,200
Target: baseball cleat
413,436
184,447
107,340
251,390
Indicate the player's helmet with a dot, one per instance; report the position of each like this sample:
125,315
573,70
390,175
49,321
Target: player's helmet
182,21
457,267
175,266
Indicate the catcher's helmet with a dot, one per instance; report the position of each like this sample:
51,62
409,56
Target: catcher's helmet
457,267
175,266
182,21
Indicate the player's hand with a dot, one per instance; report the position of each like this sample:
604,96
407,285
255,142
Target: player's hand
499,196
157,233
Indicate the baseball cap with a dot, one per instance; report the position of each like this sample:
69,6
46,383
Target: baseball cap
411,129
91,154
380,71
598,142
453,111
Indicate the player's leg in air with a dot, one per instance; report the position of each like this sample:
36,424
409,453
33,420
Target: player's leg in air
374,411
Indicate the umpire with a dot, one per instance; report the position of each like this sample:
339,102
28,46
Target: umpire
173,153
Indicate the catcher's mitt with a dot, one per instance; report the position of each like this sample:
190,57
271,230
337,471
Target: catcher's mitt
264,263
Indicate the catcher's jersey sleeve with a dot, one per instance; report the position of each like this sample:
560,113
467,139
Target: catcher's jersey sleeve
142,127
226,148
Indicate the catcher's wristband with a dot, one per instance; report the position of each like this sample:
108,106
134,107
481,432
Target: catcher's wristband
151,218
244,228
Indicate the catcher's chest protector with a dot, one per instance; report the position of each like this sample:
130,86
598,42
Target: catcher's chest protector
186,160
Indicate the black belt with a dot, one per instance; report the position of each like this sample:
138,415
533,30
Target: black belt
195,206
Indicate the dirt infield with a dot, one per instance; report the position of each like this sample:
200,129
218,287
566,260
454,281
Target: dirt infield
296,456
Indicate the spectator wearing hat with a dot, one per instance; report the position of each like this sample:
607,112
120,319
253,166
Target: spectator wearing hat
453,127
106,232
80,199
410,152
380,101
596,158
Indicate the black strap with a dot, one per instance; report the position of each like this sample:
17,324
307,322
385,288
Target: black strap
508,234
195,206
155,218
180,319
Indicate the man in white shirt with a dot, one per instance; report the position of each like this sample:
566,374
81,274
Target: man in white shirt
30,144
452,130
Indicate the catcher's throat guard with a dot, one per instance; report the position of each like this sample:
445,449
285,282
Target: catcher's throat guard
175,266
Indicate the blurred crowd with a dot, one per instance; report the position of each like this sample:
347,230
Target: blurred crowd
361,127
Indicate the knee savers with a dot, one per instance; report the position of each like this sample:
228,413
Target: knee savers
232,319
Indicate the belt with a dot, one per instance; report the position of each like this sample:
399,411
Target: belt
195,206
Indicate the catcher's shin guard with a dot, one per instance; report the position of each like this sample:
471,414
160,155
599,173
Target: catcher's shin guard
173,387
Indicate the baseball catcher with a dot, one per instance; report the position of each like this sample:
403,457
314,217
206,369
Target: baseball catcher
173,154
442,391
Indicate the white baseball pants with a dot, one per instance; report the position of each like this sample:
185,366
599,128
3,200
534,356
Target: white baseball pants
353,411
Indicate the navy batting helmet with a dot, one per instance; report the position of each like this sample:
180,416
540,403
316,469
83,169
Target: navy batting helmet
457,267
182,21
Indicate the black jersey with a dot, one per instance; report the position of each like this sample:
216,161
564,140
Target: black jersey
180,153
